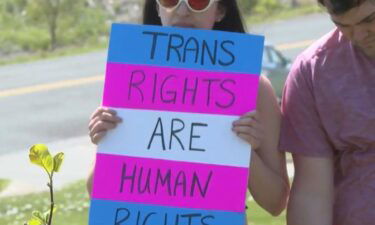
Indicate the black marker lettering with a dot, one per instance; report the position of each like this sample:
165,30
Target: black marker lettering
124,177
196,182
193,90
233,58
209,81
175,131
193,47
136,84
195,136
206,48
175,46
180,181
233,96
171,93
165,181
119,221
155,36
161,134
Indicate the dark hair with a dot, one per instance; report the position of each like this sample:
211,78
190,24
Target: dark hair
231,22
338,7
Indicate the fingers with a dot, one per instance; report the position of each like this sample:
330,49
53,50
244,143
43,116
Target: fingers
255,143
101,125
252,114
249,131
99,111
251,123
106,116
99,130
101,121
98,136
250,135
249,128
247,122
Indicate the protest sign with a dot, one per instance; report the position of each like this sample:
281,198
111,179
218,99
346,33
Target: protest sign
174,159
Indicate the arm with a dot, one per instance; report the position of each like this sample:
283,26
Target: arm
89,182
101,121
269,183
304,134
312,194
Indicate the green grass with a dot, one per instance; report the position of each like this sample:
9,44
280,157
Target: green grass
76,50
257,216
283,14
3,184
73,204
67,51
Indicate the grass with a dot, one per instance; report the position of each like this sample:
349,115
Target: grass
67,51
283,14
258,216
76,50
3,184
73,204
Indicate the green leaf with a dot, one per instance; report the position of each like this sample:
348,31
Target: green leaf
58,159
36,154
37,214
46,214
40,156
36,219
47,161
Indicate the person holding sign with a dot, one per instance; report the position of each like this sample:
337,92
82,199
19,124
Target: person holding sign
269,181
329,121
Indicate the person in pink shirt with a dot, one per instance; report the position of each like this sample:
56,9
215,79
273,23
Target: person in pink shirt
328,121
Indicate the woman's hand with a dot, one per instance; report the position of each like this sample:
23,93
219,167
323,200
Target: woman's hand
101,121
249,128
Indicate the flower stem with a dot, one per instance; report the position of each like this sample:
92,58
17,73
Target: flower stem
52,201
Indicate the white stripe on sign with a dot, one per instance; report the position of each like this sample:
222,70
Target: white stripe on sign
190,137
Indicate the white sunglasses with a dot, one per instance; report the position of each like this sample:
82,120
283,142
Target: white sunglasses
197,6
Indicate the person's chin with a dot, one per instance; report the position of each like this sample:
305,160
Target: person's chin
371,54
367,48
183,25
369,51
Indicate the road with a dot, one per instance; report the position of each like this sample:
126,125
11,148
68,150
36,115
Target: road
50,101
294,35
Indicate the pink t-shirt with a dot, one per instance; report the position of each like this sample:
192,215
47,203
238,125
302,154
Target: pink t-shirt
329,111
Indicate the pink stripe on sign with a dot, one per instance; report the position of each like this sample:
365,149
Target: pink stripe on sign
179,90
170,183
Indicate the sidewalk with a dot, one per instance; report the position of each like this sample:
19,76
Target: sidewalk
29,178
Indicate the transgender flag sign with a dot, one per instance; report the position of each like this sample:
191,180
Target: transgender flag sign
174,159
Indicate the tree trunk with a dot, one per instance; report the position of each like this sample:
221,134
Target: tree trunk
294,3
52,23
53,36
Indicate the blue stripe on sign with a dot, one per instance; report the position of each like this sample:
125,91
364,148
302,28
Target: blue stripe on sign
122,213
186,48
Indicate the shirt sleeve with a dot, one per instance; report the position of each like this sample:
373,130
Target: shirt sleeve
302,131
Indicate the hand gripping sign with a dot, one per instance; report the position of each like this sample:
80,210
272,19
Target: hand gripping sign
174,159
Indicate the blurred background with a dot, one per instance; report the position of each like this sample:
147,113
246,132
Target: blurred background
52,64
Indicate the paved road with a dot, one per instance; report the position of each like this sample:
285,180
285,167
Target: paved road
58,110
292,36
51,100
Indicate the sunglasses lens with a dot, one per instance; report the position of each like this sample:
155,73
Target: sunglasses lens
168,3
199,4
